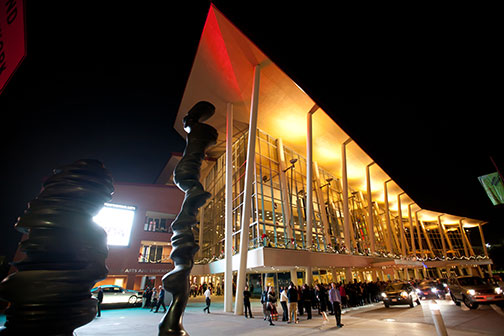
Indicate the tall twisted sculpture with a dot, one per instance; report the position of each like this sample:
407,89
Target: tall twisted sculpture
65,254
186,176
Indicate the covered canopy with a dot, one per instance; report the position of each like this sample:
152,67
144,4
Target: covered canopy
222,74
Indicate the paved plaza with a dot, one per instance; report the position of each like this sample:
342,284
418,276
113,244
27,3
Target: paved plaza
368,320
138,321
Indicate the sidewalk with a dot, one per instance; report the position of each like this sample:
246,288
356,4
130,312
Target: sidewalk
138,321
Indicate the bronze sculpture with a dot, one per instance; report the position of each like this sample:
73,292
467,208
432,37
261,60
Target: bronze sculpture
65,254
186,176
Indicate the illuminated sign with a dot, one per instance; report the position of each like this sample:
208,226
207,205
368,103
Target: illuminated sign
117,220
494,187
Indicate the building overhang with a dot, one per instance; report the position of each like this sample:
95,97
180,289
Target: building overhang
222,74
458,262
267,259
400,263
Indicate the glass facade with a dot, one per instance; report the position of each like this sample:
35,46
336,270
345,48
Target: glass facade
278,214
278,210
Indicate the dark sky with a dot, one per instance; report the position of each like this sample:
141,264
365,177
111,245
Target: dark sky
414,87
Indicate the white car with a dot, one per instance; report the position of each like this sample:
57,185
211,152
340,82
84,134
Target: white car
116,294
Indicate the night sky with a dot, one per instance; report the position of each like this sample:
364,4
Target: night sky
414,87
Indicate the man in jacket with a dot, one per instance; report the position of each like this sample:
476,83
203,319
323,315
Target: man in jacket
306,295
335,299
100,300
292,296
161,299
246,302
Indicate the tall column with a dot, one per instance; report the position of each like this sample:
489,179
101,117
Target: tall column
309,182
388,241
464,243
288,229
247,194
447,237
293,275
419,236
309,275
201,228
401,226
441,236
370,209
348,275
480,227
344,191
320,198
429,243
228,240
412,230
469,246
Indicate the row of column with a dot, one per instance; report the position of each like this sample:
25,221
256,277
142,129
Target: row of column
391,239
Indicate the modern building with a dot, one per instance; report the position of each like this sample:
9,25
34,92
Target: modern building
138,224
302,198
291,188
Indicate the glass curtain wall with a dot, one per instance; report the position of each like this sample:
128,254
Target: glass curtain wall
279,191
435,238
456,240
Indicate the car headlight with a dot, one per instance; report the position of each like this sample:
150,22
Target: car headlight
445,285
434,290
384,295
404,294
471,292
498,290
418,290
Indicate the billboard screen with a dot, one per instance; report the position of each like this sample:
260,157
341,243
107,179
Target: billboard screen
117,220
492,183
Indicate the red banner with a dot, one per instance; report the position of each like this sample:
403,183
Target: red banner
12,39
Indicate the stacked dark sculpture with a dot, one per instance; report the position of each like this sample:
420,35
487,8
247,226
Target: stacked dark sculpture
186,176
65,254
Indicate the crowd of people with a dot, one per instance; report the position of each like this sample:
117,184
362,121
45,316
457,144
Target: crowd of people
325,299
154,298
295,301
201,288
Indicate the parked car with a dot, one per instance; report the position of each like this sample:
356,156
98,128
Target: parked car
400,293
113,294
473,291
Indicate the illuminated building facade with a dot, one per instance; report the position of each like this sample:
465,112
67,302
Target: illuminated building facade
137,221
303,198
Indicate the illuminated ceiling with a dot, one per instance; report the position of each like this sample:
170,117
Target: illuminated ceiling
222,73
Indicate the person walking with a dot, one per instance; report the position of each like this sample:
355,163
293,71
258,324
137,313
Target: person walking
283,302
100,300
161,299
246,302
292,296
207,295
154,300
335,299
